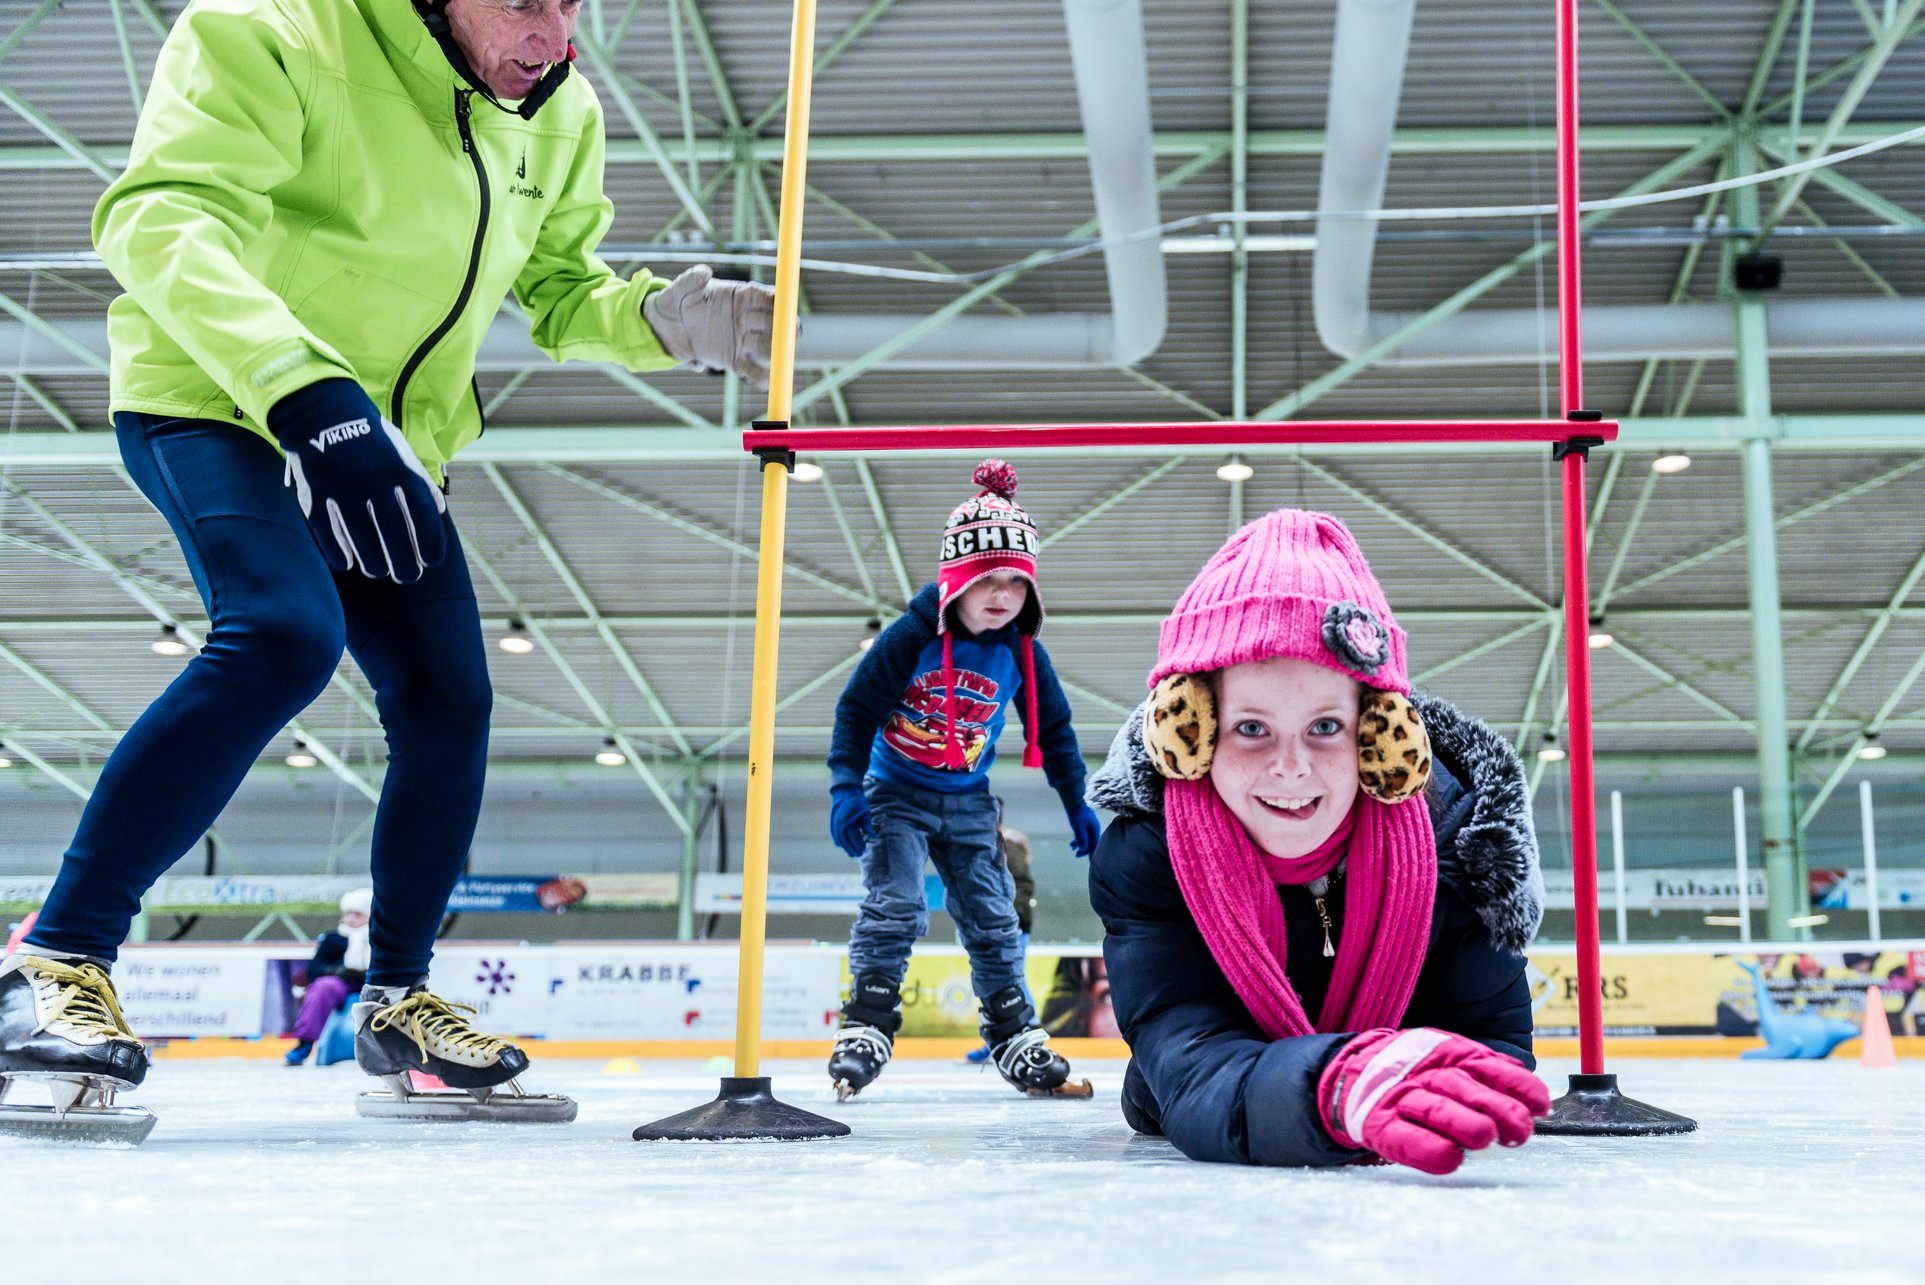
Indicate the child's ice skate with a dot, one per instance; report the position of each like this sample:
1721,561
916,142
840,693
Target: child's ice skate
867,1037
61,1024
399,1031
1020,1050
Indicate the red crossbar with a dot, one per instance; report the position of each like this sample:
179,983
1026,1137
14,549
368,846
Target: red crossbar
1198,435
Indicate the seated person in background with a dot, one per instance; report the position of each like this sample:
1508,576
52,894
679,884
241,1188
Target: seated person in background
1319,888
335,974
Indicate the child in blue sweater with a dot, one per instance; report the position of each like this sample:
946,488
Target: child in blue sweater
915,735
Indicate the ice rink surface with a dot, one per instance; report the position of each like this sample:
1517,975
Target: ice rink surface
1803,1172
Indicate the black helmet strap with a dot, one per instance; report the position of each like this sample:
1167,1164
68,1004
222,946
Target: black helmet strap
434,15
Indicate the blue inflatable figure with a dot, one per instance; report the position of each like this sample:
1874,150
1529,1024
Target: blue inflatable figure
337,1037
1793,1035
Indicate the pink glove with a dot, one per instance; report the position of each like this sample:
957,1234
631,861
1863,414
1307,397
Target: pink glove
1424,1097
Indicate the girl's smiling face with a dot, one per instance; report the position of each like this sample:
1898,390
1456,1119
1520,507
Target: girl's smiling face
1286,752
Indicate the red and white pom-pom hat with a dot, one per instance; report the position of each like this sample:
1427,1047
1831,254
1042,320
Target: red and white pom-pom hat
986,534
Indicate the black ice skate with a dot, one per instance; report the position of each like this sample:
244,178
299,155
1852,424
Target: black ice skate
1020,1049
60,1023
398,1031
867,1038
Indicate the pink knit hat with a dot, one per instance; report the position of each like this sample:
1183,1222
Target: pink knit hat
1292,583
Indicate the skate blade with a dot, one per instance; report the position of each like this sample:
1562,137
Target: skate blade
126,1126
845,1090
455,1106
1079,1089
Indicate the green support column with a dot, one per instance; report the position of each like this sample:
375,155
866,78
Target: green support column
1786,892
685,890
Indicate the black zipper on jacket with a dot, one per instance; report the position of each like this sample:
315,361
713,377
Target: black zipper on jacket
440,332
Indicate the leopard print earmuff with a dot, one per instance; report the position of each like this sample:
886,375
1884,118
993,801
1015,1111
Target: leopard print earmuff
1393,750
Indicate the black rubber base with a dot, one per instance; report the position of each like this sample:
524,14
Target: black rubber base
1595,1109
744,1110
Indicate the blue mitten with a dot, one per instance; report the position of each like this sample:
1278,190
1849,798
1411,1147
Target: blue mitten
370,504
849,819
1084,826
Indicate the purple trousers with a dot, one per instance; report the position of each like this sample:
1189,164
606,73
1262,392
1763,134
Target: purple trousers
322,998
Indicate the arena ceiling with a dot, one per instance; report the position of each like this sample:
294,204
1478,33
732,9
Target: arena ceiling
615,519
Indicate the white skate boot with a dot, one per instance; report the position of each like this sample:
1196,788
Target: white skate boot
60,1023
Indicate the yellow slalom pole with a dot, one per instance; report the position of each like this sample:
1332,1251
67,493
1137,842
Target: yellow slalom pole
768,572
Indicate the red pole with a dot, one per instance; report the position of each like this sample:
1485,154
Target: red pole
1577,590
1577,652
1570,319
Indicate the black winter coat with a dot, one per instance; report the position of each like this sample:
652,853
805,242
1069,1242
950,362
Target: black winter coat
1202,1073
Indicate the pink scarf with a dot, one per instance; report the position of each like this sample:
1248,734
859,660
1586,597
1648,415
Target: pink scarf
1230,888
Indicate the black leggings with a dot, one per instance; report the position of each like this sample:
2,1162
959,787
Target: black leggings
280,619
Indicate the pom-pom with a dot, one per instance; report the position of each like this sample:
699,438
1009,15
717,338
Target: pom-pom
997,476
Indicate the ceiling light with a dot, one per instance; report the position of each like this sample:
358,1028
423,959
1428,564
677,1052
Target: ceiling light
1235,470
1871,749
300,757
169,643
611,754
5,762
1807,921
869,639
1551,751
1671,462
516,641
1600,640
807,472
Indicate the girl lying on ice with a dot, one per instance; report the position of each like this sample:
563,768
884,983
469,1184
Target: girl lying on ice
1319,887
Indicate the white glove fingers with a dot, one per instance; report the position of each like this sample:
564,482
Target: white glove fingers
388,569
343,540
296,477
414,536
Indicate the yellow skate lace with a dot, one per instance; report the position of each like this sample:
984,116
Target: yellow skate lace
424,1016
85,1001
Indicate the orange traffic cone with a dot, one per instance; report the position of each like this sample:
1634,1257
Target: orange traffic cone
1875,1049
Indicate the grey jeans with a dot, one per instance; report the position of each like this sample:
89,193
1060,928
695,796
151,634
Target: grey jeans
958,833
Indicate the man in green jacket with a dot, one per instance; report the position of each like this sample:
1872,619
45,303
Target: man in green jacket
325,204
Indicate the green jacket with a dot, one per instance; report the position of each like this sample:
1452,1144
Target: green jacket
313,192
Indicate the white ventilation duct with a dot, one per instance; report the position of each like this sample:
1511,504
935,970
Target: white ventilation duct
1366,78
1107,56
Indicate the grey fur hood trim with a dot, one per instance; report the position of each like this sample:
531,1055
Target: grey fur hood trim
1480,805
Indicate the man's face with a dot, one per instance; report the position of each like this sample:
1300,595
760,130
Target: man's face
512,43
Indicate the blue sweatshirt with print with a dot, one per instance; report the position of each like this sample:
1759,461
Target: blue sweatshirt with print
891,722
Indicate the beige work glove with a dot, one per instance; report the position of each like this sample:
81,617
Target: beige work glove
715,325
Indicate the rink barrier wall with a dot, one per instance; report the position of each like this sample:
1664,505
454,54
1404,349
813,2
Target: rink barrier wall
677,999
923,1049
